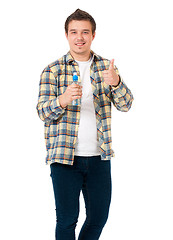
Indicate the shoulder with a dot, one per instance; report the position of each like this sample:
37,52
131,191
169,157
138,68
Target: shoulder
101,63
56,66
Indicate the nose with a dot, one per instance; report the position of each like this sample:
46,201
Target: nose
79,36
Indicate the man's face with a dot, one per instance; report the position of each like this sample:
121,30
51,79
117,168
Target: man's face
80,38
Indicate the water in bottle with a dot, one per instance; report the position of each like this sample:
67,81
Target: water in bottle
75,80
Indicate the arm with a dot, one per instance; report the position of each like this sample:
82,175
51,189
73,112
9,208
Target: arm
119,94
48,106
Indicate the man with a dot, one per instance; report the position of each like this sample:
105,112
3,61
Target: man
78,137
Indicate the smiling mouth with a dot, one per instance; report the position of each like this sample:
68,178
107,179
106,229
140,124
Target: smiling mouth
79,44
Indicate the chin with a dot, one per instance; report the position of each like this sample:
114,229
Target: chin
79,52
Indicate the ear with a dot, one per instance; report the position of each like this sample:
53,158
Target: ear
94,34
66,35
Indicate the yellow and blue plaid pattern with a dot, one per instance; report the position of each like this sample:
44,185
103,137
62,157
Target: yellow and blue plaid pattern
61,125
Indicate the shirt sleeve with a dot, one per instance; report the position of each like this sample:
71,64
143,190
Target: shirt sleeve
48,106
121,96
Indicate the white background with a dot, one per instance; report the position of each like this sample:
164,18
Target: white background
138,35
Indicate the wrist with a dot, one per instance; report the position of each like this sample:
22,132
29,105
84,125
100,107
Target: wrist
118,82
61,101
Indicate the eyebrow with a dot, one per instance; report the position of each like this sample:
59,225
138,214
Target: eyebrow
71,30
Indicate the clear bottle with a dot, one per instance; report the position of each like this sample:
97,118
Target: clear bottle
75,80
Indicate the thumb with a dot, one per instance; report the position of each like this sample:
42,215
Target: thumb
111,66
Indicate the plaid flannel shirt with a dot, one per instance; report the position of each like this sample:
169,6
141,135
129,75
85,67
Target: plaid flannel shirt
61,124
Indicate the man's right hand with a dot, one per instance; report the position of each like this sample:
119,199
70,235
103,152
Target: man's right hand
73,91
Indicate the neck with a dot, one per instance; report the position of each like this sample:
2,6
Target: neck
81,57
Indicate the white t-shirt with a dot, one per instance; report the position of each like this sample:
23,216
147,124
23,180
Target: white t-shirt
87,143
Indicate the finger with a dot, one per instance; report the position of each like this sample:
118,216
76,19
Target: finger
76,97
106,72
106,76
74,85
76,92
111,66
106,79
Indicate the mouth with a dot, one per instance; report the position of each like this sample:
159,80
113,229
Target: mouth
80,44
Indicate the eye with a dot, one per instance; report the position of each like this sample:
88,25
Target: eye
85,32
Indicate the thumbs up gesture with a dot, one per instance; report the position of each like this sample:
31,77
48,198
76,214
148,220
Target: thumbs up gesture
110,76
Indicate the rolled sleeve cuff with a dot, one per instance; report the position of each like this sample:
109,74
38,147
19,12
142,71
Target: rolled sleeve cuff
120,89
56,107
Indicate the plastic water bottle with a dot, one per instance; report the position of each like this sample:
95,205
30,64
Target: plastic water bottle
75,80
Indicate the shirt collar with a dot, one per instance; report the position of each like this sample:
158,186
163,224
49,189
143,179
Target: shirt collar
69,57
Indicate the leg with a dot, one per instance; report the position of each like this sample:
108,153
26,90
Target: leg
97,195
67,183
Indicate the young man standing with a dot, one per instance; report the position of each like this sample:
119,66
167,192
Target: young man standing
78,137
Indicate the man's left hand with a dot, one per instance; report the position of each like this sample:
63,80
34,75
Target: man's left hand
110,76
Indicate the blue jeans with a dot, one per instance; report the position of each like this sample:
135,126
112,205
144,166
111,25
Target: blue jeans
91,175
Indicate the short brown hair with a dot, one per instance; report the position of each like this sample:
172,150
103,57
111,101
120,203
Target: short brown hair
80,15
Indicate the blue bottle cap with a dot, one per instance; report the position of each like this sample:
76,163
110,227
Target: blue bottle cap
75,77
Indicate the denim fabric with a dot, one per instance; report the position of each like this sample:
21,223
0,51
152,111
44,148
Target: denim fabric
91,175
